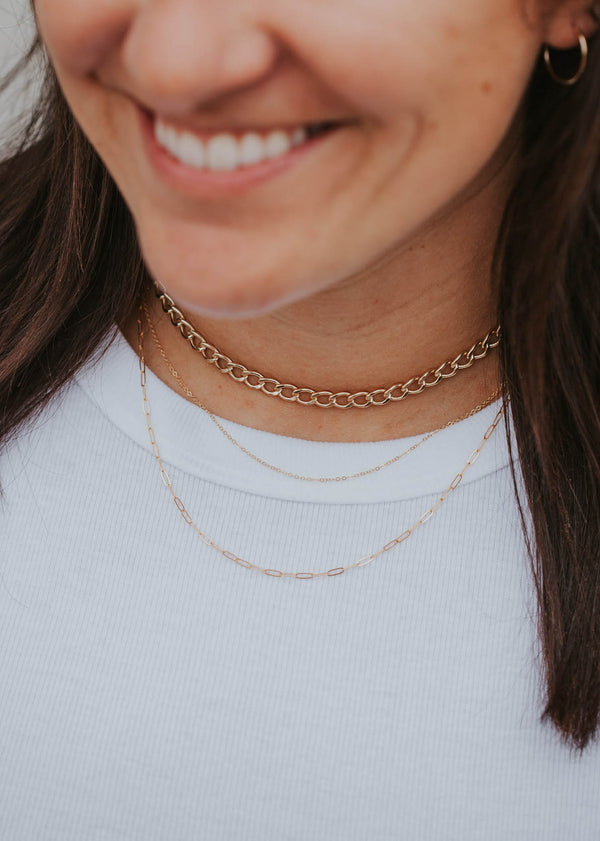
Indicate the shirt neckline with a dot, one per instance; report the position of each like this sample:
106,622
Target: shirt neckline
189,441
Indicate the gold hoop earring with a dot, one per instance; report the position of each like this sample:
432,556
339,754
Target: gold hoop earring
583,49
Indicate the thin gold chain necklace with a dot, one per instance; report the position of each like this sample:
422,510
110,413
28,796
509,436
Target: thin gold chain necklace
276,573
325,399
321,479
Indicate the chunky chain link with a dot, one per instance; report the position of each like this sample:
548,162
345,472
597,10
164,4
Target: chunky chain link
322,479
325,399
277,573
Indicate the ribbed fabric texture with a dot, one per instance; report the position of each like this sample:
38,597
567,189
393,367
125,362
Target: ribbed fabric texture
152,689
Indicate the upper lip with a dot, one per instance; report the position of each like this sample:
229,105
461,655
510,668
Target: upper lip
234,125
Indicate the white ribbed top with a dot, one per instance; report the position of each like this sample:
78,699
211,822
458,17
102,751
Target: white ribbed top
152,689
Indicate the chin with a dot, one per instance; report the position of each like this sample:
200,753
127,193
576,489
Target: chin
197,276
228,300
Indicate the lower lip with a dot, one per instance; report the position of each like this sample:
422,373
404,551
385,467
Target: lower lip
208,184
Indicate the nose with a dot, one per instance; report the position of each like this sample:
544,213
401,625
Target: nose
179,55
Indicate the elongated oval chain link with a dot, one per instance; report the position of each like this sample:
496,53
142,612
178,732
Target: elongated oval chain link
276,573
325,399
322,479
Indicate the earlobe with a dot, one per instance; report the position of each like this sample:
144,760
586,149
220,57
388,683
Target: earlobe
568,30
569,80
570,19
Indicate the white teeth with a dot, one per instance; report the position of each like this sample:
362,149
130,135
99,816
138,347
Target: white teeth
189,151
160,132
225,152
252,149
171,137
299,136
222,152
277,144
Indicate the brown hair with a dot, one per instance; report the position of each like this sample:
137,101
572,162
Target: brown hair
70,270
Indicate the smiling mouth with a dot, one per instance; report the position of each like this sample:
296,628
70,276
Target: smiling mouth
227,151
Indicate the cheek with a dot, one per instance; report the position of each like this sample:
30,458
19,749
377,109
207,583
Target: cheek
462,69
382,54
79,33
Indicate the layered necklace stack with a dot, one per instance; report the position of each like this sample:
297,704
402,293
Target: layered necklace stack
308,397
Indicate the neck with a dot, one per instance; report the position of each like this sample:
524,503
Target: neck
422,304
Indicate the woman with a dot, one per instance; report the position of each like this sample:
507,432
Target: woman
383,217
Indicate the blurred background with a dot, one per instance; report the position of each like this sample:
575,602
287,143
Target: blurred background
16,32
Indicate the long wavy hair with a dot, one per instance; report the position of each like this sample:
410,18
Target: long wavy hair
71,270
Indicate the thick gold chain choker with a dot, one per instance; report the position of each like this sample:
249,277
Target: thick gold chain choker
309,397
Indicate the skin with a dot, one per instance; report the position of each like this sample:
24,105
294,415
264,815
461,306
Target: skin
367,263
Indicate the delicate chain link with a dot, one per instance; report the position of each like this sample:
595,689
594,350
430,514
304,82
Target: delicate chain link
325,399
322,479
276,573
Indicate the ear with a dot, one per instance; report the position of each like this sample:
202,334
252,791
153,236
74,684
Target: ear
568,19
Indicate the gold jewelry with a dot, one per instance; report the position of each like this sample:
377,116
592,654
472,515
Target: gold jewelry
325,399
275,573
583,50
322,479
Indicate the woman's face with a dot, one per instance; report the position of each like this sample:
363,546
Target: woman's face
425,92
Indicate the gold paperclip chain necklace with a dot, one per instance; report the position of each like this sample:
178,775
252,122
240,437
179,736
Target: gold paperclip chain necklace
321,479
276,573
325,399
